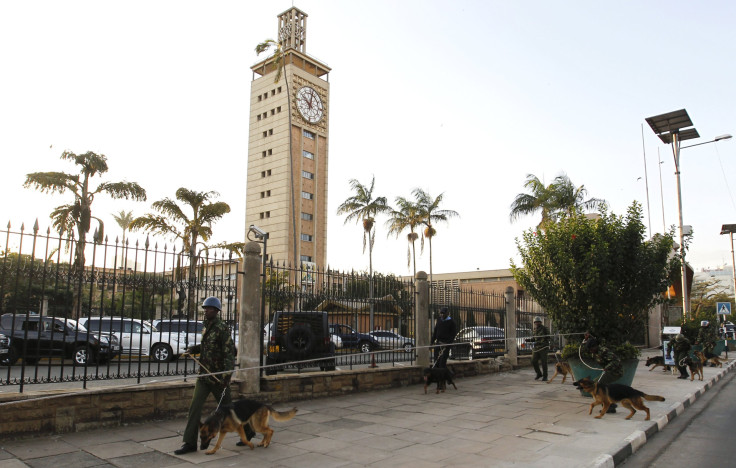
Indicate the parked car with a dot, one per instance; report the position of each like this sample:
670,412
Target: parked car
352,339
473,342
300,339
523,334
727,331
137,337
40,337
4,350
189,331
390,340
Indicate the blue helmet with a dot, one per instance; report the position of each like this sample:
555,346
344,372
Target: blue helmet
212,302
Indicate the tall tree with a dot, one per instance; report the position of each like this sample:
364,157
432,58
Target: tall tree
124,218
173,221
278,58
430,213
407,216
78,214
558,199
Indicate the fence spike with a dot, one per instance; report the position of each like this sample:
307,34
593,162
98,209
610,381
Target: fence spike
35,226
8,225
117,240
147,242
22,227
48,231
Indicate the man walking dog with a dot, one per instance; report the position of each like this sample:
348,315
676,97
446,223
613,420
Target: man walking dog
540,338
444,334
216,354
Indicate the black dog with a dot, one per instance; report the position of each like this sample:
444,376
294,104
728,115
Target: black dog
440,375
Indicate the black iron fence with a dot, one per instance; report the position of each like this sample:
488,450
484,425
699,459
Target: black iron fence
129,312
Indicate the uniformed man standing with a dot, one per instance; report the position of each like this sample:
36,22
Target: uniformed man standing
681,347
707,339
540,338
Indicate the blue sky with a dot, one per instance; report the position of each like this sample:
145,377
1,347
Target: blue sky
462,97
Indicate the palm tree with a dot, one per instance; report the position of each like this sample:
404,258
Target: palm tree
560,198
78,214
124,218
407,216
278,58
172,221
430,214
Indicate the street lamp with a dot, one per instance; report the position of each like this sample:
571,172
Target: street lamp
672,128
730,229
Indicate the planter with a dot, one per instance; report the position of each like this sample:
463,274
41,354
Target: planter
717,350
581,369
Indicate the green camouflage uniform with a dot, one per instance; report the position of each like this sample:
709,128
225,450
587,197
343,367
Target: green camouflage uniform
612,368
681,348
217,354
707,339
540,338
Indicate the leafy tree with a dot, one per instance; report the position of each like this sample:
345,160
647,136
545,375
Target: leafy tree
407,216
278,58
558,199
173,221
599,275
78,214
430,213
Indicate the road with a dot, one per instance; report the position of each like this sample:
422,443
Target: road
701,436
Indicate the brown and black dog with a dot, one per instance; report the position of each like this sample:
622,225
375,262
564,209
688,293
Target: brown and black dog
606,395
714,360
695,366
562,368
656,361
440,375
234,417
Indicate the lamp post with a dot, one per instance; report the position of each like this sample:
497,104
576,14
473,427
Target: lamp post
672,128
730,229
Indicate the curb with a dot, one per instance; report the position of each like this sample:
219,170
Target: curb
636,439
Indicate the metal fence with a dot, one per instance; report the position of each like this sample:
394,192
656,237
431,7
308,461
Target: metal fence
117,297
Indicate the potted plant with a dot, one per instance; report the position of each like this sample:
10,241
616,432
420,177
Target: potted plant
598,275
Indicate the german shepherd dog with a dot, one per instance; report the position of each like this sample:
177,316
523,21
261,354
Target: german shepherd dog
606,395
656,361
695,366
561,368
234,417
714,360
439,375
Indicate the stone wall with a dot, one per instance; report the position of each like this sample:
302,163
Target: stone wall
37,413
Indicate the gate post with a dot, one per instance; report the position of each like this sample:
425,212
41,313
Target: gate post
421,310
511,327
249,347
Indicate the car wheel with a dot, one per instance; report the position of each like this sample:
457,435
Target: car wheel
409,346
80,356
9,358
365,347
300,340
161,353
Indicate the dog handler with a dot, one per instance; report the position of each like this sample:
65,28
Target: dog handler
612,367
540,338
216,354
444,334
707,339
681,346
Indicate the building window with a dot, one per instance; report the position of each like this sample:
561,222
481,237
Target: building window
263,194
265,134
268,214
259,98
307,196
308,134
266,173
306,258
259,117
307,237
263,154
268,193
262,215
307,154
307,175
278,109
273,111
270,131
307,216
273,92
279,89
270,152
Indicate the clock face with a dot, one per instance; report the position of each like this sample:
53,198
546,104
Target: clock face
309,104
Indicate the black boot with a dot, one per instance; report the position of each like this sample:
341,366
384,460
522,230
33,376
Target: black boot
186,448
612,408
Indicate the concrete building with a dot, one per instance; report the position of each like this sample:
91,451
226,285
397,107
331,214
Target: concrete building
288,148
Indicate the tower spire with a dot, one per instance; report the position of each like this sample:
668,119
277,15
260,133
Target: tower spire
293,29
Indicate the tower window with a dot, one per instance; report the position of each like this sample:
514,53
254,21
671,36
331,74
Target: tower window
306,258
263,154
279,89
307,175
308,134
265,134
307,237
307,216
307,154
307,196
273,92
278,109
259,98
270,131
270,152
258,117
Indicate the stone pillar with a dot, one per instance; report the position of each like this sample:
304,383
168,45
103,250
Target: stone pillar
249,346
422,318
511,343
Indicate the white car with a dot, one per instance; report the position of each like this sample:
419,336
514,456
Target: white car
137,337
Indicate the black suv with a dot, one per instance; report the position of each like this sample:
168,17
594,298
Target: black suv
300,339
43,337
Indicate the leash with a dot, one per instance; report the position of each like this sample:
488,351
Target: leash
224,390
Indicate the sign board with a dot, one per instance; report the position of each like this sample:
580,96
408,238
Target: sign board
671,330
723,308
668,361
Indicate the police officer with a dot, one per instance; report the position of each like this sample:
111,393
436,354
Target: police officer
681,347
216,354
612,367
540,338
707,339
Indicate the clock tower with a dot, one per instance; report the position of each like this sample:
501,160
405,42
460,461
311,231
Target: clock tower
288,147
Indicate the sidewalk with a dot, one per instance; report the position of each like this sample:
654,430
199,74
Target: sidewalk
493,420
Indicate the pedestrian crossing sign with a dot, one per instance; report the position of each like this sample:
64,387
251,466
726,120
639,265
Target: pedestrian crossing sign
723,308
